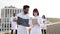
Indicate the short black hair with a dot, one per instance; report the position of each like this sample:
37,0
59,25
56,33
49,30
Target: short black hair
25,6
44,16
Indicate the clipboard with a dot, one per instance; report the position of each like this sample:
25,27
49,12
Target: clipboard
34,21
22,21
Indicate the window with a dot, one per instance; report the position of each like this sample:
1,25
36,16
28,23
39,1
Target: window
8,11
7,20
5,12
13,11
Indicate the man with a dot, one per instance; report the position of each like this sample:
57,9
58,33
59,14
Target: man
13,23
23,19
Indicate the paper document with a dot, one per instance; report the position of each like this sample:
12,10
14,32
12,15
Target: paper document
34,21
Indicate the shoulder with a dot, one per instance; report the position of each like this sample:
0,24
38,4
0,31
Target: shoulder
39,17
11,16
19,14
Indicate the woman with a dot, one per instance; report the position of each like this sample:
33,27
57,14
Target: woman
44,24
36,29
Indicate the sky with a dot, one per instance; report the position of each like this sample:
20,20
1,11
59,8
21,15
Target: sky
49,8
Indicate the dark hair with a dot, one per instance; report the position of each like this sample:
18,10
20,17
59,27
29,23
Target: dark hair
25,6
14,14
44,16
35,10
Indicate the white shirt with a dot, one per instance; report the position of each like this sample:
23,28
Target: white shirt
22,29
39,21
13,23
35,28
44,24
22,15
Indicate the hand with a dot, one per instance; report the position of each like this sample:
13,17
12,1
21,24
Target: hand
17,21
28,25
14,20
37,24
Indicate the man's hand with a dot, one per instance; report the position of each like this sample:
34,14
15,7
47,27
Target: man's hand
28,25
17,20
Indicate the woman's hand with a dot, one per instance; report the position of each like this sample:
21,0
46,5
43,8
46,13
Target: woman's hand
37,24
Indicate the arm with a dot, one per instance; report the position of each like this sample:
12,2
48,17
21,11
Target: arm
40,22
30,22
17,18
28,25
44,21
17,21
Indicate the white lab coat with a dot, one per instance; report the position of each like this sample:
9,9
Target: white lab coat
22,29
13,24
44,24
34,28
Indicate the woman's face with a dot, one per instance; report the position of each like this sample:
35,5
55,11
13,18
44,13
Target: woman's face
43,17
35,14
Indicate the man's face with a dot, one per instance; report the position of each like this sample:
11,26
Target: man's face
26,10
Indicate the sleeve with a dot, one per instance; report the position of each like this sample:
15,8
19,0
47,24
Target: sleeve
17,16
41,22
30,22
45,21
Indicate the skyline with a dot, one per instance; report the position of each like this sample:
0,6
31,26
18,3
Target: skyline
50,8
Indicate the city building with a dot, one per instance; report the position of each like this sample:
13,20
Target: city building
6,14
0,24
0,20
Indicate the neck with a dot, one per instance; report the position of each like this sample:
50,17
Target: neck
13,16
35,16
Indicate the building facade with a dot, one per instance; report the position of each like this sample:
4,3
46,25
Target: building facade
6,14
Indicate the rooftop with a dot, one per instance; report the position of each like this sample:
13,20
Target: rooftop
9,6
